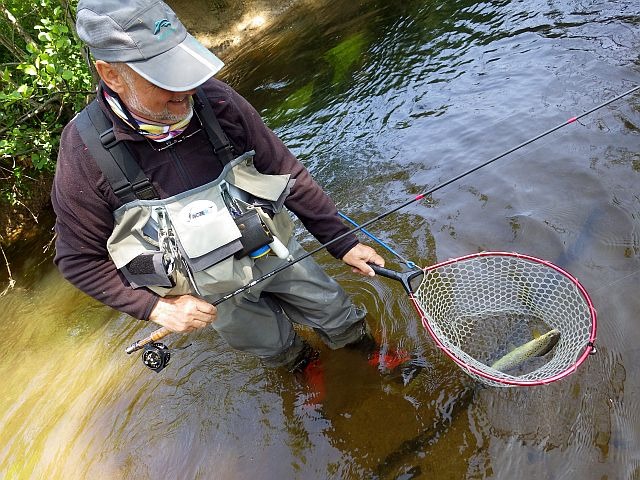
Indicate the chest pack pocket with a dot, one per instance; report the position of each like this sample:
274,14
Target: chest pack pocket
200,247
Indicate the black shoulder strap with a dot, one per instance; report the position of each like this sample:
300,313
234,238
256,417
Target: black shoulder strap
114,158
221,145
117,162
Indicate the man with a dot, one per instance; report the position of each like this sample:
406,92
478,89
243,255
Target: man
150,69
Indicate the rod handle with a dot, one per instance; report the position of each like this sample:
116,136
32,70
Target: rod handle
155,336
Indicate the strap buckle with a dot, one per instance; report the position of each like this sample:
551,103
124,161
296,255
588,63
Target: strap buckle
108,139
144,190
225,148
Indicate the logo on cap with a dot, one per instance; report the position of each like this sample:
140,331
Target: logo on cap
161,23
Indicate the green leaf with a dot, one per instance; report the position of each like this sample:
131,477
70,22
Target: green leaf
52,59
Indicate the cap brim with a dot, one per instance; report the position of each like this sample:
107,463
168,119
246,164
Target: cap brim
184,67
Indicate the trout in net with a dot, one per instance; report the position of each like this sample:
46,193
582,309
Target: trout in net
537,347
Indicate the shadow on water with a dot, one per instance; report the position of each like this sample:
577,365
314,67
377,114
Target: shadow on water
381,100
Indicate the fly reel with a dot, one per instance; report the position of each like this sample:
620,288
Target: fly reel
156,356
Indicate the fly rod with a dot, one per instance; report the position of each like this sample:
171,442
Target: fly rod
162,332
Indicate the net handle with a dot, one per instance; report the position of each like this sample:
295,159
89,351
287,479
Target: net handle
589,349
408,279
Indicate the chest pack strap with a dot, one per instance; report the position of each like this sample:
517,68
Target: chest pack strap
114,158
118,163
221,144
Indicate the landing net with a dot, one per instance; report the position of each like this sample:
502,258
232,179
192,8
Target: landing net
479,306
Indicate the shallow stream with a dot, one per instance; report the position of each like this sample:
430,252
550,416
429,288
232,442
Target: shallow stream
381,101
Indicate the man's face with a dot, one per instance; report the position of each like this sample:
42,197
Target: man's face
150,102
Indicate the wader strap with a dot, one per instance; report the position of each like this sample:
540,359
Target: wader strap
114,158
221,145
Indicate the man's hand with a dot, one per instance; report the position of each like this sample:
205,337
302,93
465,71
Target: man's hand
183,314
359,256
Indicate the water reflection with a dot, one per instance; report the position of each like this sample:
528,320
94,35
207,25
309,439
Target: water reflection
382,101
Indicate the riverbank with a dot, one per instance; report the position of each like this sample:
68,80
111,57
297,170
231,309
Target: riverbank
224,26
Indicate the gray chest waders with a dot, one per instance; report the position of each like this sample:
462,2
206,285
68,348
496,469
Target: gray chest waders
203,241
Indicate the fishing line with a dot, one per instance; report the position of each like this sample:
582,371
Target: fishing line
162,332
618,280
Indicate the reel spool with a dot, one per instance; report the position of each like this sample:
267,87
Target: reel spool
156,356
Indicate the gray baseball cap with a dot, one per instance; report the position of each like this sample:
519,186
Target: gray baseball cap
148,36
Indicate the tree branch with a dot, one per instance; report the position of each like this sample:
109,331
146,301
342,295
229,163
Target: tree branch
12,20
71,23
32,114
12,282
10,45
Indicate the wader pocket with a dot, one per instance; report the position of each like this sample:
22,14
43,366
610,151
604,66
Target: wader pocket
225,277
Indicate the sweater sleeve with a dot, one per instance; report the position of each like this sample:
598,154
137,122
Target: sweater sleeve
315,209
84,221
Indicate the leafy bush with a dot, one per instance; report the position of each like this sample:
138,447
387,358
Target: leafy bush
44,80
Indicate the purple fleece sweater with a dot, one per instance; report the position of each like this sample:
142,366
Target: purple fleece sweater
84,201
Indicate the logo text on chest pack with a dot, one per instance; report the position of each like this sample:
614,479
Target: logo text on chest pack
199,212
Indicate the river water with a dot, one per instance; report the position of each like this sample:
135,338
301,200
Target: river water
382,101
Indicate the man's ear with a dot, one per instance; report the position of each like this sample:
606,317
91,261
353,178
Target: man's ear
111,76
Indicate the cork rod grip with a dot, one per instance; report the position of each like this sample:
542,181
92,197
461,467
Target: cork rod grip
155,336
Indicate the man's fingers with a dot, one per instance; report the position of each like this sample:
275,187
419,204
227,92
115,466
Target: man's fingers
363,269
206,308
183,314
359,256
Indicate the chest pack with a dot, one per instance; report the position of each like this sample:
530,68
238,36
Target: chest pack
203,240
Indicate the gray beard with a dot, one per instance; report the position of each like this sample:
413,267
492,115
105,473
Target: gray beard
165,117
